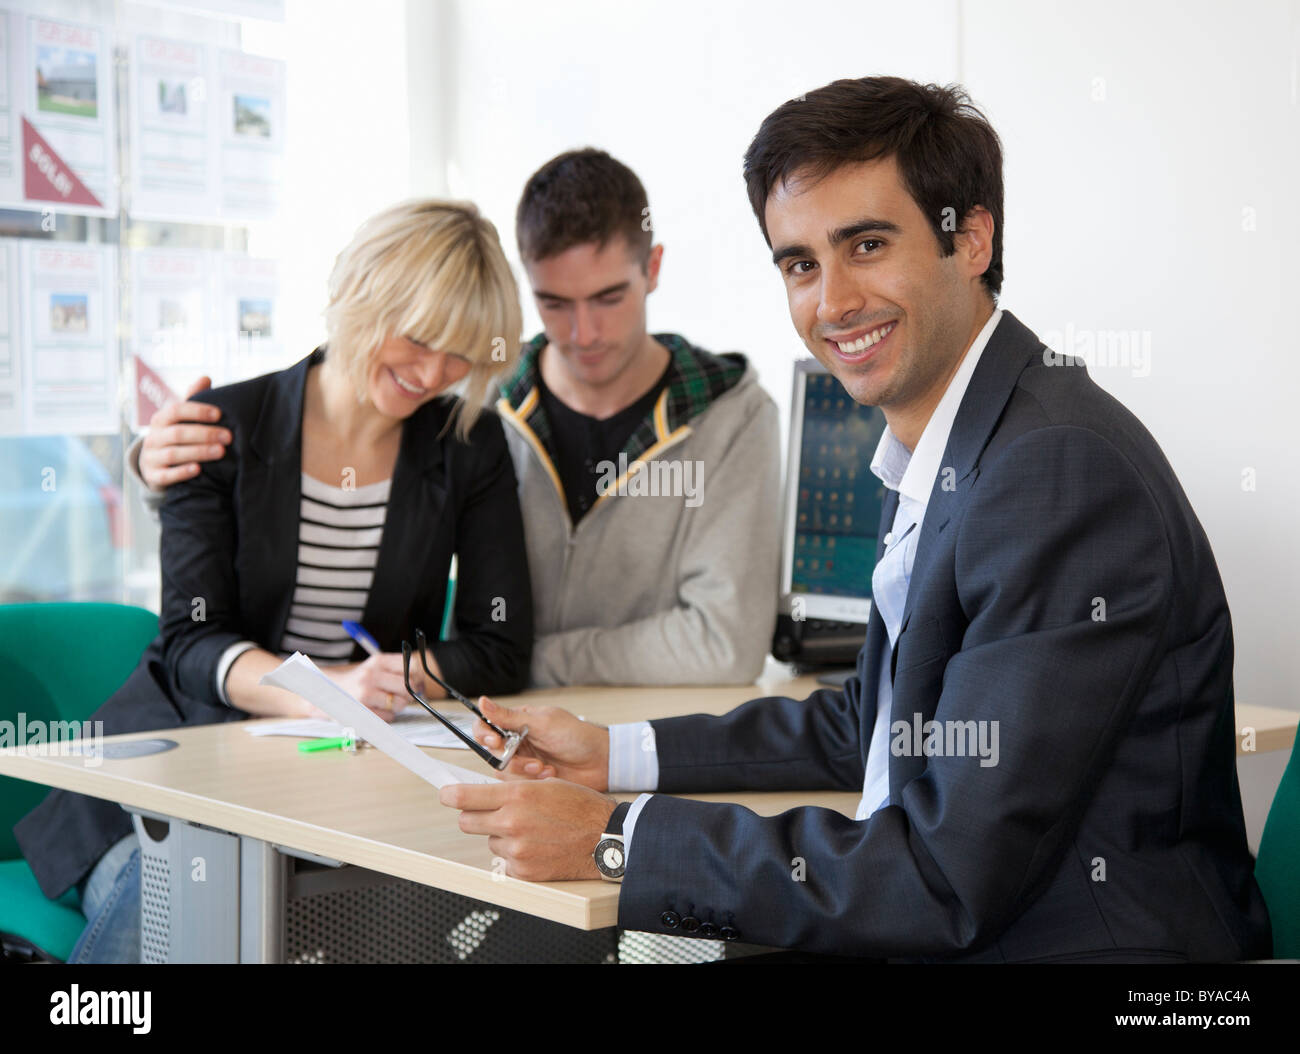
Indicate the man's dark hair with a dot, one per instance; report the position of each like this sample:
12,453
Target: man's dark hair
948,155
578,197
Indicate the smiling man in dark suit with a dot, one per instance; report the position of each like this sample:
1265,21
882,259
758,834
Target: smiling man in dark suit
1041,723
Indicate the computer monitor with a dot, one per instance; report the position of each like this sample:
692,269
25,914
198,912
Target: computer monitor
832,501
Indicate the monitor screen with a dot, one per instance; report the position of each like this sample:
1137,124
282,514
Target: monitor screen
832,500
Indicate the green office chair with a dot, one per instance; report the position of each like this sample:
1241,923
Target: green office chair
58,662
1277,867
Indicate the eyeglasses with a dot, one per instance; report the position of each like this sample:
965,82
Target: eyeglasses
511,739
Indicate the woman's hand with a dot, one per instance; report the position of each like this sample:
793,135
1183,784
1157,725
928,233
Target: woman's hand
558,744
377,682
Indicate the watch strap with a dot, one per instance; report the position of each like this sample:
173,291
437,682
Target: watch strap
615,825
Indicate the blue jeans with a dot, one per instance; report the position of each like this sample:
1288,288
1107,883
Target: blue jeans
110,900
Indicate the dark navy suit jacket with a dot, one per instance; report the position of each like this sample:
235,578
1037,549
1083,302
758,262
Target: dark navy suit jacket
1064,589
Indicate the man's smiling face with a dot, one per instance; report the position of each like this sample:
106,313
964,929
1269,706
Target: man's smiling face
870,295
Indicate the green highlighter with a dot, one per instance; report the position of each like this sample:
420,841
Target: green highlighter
310,746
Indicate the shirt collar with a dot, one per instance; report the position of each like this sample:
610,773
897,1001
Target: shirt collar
912,473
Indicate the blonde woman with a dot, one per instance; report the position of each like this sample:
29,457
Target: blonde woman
350,481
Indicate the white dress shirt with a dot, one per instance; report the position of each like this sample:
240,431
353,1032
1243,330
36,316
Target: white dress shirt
633,760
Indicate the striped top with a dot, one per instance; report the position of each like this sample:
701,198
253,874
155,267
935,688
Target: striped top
338,547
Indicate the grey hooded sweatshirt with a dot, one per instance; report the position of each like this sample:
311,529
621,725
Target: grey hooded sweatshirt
671,576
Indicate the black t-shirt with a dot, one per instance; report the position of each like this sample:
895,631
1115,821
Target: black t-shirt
581,442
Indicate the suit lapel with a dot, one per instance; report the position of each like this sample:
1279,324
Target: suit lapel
873,646
1009,350
272,488
417,501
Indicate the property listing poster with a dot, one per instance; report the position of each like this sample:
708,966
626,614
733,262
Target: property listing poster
11,396
197,313
69,373
249,299
207,132
172,171
58,139
267,10
171,315
251,112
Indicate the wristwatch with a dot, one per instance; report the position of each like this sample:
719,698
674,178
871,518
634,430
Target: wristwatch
610,855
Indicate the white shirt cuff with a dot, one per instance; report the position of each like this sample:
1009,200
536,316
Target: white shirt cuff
227,660
629,822
633,758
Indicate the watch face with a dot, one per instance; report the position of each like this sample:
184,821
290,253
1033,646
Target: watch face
609,857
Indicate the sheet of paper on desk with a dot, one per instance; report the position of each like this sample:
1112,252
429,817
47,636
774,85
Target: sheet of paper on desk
413,725
298,674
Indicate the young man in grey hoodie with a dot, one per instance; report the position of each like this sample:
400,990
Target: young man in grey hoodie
648,468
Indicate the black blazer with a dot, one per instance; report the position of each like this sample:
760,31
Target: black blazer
230,541
1111,826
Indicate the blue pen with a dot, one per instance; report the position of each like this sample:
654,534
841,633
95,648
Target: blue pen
355,631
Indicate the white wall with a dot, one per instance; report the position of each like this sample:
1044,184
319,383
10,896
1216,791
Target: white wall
1169,208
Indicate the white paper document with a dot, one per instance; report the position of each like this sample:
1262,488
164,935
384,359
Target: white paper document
298,674
413,725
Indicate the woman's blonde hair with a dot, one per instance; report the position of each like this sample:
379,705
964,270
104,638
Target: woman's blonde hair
432,271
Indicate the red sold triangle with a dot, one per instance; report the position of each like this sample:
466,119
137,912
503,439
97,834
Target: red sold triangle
45,175
152,393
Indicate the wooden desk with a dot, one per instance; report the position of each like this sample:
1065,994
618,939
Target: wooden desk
366,810
1273,729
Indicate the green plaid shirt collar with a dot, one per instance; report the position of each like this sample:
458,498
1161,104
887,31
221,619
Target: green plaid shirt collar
695,381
